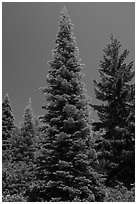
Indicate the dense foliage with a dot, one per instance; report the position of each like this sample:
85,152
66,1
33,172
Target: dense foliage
64,171
8,126
23,141
18,171
120,194
64,155
116,91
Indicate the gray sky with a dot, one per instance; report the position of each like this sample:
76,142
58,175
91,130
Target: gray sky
28,34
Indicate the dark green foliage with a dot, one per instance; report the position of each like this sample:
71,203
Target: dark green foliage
8,129
117,115
38,139
120,194
8,126
16,178
28,133
14,198
55,157
18,173
63,169
23,141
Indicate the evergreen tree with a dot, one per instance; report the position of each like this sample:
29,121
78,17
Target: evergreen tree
116,115
19,173
8,126
64,171
8,129
38,131
23,142
38,138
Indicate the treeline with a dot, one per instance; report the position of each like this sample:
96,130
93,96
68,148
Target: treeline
64,155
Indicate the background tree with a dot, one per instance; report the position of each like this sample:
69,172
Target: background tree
19,172
116,115
64,171
8,129
23,144
8,126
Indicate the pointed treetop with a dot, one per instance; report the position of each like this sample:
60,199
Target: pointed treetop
114,41
6,97
64,11
28,113
29,104
112,37
6,106
65,18
28,108
30,101
6,101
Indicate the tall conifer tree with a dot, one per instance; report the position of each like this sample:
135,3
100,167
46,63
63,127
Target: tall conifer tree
8,126
64,171
116,115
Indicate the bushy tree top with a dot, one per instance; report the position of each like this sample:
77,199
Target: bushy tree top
116,91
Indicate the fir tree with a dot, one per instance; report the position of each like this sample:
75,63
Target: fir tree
8,126
19,173
23,142
64,171
116,115
8,129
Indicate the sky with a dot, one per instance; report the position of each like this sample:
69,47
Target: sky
28,34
